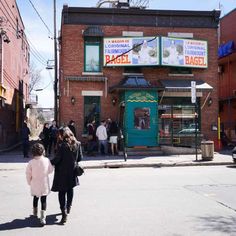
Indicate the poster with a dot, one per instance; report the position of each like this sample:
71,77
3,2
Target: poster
131,51
184,52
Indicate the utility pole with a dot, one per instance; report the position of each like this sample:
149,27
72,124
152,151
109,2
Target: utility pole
55,65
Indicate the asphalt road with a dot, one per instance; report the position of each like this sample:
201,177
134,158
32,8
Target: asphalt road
129,202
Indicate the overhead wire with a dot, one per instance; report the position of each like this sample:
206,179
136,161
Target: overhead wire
40,17
13,25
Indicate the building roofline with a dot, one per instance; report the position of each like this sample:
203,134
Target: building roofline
228,14
140,17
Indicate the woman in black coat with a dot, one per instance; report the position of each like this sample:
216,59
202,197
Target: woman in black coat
65,180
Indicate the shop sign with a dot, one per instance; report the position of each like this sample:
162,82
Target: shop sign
131,51
141,97
184,52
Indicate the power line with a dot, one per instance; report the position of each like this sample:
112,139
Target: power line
40,17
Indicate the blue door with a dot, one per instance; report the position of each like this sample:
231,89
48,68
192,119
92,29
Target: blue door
141,118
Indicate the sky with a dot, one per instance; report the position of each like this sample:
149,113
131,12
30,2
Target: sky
40,35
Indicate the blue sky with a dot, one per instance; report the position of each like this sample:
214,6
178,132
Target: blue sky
40,37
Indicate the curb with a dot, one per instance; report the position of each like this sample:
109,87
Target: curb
154,165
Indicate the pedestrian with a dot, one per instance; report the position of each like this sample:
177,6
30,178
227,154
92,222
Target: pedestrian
72,127
91,138
101,133
53,132
114,131
25,139
37,175
64,178
45,137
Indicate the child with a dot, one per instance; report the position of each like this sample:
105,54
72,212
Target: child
37,172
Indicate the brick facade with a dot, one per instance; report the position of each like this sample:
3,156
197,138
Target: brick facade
227,77
72,64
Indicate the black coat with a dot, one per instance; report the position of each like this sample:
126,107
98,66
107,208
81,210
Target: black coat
64,178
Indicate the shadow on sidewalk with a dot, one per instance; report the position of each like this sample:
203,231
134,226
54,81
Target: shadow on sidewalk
28,222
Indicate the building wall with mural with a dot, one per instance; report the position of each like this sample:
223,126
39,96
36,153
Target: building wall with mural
90,75
14,76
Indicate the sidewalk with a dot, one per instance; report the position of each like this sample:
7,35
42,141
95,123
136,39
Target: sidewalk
222,158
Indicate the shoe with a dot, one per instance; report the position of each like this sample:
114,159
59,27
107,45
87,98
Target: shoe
43,218
68,210
64,217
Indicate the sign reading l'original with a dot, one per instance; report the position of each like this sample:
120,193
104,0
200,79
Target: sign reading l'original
131,51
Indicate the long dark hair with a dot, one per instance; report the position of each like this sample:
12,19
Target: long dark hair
70,139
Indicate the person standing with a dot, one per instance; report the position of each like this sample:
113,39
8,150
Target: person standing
25,139
92,139
46,137
37,172
101,133
53,131
72,127
64,178
114,131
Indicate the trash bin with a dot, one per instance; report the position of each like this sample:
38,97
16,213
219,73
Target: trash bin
207,148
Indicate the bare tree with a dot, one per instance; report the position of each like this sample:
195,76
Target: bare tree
35,78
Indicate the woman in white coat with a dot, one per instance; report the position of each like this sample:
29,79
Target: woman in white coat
37,175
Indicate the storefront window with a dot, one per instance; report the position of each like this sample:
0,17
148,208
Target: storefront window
142,118
91,110
177,122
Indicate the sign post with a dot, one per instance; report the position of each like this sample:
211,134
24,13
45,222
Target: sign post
194,101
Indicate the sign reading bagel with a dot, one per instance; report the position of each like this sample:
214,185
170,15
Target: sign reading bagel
131,51
184,52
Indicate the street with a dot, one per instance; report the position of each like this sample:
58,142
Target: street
170,201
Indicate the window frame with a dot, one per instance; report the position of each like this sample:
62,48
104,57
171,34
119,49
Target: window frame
92,43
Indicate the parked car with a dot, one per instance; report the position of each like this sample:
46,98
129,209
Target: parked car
189,130
234,154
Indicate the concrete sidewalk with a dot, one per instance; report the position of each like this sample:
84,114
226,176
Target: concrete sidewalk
223,158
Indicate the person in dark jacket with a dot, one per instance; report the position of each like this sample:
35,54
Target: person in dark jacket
72,127
25,139
46,137
69,152
53,136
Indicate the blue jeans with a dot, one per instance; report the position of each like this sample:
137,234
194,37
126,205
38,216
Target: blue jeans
104,144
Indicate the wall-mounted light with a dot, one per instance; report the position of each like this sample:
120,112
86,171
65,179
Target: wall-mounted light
209,101
114,100
72,100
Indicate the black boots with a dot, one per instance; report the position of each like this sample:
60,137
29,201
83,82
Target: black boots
64,217
68,208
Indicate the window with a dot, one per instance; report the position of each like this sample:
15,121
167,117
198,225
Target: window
142,118
91,110
181,70
177,121
92,58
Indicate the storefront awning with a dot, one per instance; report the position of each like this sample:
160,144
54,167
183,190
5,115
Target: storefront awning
134,82
184,85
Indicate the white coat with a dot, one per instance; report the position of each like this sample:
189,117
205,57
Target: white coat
37,175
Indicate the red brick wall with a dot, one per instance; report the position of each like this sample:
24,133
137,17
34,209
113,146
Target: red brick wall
228,27
72,62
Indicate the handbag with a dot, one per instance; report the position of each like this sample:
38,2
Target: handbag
78,170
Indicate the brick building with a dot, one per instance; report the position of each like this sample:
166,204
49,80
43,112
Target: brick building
136,67
227,74
14,77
